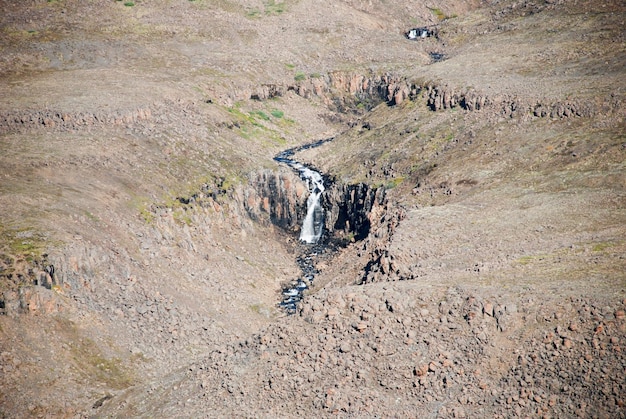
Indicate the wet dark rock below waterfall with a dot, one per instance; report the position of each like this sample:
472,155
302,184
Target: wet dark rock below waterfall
307,259
331,208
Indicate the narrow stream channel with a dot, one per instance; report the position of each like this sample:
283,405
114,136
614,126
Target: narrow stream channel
311,234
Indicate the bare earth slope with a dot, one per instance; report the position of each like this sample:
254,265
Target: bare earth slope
139,265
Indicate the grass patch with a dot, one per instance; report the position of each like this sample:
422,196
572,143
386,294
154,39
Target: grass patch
392,183
253,124
253,13
273,7
260,114
91,216
525,260
89,360
25,244
241,116
229,182
22,249
270,8
181,203
147,216
261,309
277,113
601,247
181,216
142,206
299,76
129,4
439,14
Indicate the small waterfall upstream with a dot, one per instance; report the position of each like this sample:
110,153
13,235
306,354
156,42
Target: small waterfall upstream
312,226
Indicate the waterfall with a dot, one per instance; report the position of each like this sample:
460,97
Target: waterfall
312,227
313,224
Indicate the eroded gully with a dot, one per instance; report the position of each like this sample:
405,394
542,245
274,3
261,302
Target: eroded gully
312,231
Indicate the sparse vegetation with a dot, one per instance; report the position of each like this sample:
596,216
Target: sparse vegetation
260,114
394,182
270,8
601,247
25,244
252,13
90,362
440,15
91,216
273,7
181,215
277,113
525,260
254,124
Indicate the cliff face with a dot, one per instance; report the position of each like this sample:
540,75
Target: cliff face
350,209
280,197
341,91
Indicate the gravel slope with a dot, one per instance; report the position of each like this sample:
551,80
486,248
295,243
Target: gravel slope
492,283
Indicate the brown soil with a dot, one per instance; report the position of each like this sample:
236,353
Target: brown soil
492,283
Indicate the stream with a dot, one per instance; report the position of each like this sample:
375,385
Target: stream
312,229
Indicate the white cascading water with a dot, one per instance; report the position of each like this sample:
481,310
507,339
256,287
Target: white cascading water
313,224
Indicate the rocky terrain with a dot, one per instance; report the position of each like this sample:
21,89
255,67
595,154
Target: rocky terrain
473,263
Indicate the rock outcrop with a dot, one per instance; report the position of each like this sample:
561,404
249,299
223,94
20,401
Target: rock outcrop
350,208
29,285
342,90
380,266
61,120
276,196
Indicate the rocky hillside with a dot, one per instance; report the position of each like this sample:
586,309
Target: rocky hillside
473,263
